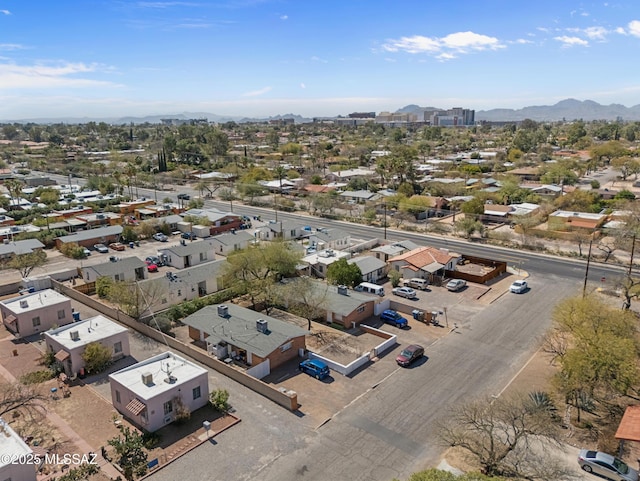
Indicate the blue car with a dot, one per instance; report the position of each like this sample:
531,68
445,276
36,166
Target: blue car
394,318
315,368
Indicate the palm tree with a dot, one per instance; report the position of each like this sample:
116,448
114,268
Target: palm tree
14,186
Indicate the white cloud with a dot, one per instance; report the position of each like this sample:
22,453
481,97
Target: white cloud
303,86
14,76
634,28
523,41
594,33
571,41
444,47
163,5
284,17
256,93
318,59
11,46
5,12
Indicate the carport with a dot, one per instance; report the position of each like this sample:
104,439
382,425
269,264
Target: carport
629,427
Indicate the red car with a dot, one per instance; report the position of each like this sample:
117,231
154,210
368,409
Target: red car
410,354
152,268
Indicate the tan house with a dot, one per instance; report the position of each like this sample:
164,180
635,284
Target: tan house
69,342
424,262
36,312
152,392
562,220
245,336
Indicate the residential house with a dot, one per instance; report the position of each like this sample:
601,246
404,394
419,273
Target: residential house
526,173
386,251
36,312
246,336
562,220
10,231
225,244
100,219
425,263
17,459
342,305
348,174
544,190
496,213
130,207
524,209
119,269
69,342
372,268
330,239
286,230
168,223
359,196
87,238
187,254
220,221
151,393
17,248
317,263
5,220
282,186
183,285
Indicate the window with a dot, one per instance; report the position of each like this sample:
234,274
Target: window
196,392
61,314
117,347
361,309
36,321
285,347
119,277
118,397
203,256
168,407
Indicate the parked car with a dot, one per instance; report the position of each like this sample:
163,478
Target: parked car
117,246
404,292
409,355
184,196
394,318
86,252
154,260
518,287
455,284
152,268
315,368
159,236
101,248
606,465
188,235
417,283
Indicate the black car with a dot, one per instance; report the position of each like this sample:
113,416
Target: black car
184,196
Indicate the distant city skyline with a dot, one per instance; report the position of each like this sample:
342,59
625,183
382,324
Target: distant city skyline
261,58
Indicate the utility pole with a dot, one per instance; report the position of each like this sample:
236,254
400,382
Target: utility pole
586,271
633,248
385,220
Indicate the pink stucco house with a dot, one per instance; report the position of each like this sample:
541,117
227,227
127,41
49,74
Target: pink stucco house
151,392
36,312
69,342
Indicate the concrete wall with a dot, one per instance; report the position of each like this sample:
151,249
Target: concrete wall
288,399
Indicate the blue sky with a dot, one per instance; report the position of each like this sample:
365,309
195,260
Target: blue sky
110,58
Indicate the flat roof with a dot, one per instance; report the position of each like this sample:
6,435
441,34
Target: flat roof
90,330
11,445
158,366
35,300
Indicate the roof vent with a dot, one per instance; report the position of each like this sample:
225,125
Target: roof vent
147,378
170,379
223,310
262,326
24,304
75,335
343,290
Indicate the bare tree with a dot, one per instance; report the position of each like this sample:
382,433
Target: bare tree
506,436
17,396
306,298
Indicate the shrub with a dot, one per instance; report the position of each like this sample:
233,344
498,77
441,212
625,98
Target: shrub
72,250
394,277
36,377
103,285
219,399
96,357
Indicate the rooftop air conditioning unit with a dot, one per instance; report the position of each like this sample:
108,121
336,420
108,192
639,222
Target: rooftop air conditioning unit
223,310
24,304
262,326
75,335
343,290
147,378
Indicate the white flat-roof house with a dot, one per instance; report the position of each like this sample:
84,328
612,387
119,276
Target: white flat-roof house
12,447
151,392
187,254
37,312
69,342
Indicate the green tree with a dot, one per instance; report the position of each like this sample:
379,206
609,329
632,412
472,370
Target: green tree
129,448
342,273
26,263
219,399
96,357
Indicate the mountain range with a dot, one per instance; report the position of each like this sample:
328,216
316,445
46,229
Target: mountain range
569,109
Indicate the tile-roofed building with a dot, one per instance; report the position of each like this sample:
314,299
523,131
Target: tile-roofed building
424,262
